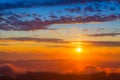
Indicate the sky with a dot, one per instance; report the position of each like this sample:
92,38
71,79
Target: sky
56,29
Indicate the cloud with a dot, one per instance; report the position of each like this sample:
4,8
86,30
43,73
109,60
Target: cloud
63,46
90,69
42,65
4,44
27,14
84,69
57,40
104,34
102,43
14,23
8,70
24,25
9,4
50,40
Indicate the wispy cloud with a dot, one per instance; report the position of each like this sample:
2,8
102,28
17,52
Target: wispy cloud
4,44
62,41
104,34
63,46
103,43
50,40
92,44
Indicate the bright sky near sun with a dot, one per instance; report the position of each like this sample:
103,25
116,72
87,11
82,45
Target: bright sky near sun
73,40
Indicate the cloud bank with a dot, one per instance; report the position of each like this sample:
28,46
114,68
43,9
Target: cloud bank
92,69
11,70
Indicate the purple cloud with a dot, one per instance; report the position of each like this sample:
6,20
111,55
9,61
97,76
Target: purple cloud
50,40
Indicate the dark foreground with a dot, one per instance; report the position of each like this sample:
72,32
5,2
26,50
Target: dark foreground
57,76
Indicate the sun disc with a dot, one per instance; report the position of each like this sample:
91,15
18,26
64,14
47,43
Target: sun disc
78,49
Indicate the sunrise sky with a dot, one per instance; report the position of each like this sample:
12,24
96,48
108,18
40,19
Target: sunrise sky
43,30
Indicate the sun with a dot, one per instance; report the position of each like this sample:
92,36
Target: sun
78,49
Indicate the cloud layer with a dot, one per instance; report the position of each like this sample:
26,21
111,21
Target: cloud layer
11,70
57,40
33,15
92,69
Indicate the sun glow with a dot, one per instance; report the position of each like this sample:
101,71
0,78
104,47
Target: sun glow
78,49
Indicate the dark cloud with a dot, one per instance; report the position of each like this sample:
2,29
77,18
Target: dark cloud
23,25
63,46
13,23
102,43
104,34
8,70
35,3
51,40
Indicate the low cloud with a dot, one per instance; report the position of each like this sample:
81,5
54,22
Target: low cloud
8,70
85,69
90,69
11,70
